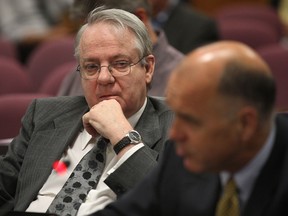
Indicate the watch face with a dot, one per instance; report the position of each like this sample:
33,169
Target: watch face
135,136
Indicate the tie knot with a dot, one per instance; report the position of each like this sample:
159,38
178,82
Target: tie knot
229,202
230,186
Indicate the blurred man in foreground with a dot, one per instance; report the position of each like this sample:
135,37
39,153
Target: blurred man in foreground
230,153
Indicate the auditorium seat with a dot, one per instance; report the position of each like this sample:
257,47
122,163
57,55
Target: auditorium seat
14,77
12,109
276,57
49,55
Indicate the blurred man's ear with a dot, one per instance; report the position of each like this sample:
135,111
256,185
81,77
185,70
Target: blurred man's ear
249,120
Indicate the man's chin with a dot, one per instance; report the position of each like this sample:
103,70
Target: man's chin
191,166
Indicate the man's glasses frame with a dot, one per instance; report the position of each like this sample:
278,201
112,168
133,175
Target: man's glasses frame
116,69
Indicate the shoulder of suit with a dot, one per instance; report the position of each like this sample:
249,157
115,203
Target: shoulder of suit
159,103
62,99
62,102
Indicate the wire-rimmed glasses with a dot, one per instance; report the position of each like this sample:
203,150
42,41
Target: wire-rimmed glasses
116,69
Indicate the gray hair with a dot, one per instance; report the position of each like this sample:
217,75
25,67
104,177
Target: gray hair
120,19
253,86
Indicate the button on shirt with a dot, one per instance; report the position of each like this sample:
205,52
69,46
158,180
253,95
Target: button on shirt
97,198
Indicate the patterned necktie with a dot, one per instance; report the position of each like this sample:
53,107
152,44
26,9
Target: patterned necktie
84,177
229,202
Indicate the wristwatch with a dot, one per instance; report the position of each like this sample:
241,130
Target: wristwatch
133,137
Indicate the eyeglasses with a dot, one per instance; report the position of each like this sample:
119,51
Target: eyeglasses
117,69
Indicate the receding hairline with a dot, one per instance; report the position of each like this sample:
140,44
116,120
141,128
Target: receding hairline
122,20
231,70
221,54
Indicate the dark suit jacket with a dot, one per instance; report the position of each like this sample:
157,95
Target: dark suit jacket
49,126
187,29
171,190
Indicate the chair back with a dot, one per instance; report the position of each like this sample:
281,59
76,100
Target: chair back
12,109
54,80
47,56
14,77
263,13
253,33
8,48
276,57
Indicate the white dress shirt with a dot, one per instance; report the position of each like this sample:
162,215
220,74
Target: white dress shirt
97,198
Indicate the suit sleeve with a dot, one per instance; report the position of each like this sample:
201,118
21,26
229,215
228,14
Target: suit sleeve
145,197
135,168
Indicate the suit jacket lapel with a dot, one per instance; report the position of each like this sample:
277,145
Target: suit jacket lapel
149,125
58,136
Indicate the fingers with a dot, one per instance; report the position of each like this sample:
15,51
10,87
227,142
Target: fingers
107,119
88,126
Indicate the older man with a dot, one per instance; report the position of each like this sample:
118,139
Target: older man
116,66
230,155
166,56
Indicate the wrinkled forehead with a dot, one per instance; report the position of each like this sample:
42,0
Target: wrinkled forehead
109,26
102,36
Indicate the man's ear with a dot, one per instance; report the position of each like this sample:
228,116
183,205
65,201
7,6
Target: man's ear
249,122
142,15
150,59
